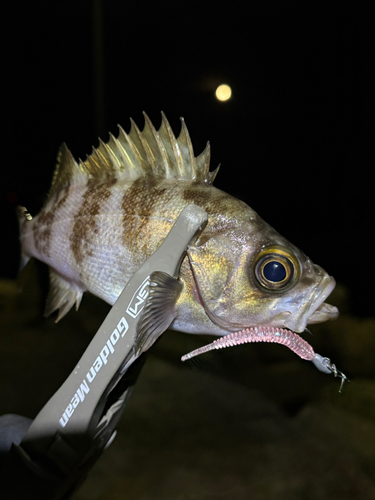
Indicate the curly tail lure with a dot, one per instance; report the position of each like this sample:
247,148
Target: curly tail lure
277,336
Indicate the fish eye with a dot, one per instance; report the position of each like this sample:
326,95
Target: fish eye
276,268
274,271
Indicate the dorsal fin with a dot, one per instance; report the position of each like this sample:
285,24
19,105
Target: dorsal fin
66,170
132,155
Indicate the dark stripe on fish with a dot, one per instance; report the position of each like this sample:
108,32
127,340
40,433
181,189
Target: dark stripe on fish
197,195
138,205
84,228
211,200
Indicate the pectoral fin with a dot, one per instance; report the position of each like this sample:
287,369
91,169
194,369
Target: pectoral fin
159,311
61,296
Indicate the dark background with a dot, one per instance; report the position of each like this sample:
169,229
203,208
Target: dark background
294,140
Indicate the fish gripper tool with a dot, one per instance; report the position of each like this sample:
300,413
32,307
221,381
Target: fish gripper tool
79,421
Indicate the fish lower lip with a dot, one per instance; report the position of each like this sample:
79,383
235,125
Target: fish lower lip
323,313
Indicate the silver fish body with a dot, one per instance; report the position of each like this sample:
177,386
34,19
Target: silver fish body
104,217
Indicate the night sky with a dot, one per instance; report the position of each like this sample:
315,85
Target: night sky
294,140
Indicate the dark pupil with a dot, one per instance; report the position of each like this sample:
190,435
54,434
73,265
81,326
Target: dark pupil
274,271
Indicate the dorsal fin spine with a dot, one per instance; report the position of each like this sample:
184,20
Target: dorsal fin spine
111,155
136,146
190,148
128,148
152,138
91,160
122,155
183,147
136,136
104,152
203,162
171,147
211,175
66,169
101,157
145,137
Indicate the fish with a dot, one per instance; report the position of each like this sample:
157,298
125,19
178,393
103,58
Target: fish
106,215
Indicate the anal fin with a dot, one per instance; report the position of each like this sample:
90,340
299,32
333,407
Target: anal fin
61,296
159,310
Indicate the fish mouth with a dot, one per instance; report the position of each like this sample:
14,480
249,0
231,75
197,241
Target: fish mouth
324,312
315,309
321,311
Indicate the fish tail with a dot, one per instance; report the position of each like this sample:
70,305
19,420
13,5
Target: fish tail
24,219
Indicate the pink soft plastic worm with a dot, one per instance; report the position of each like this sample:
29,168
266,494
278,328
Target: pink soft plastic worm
259,334
277,336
